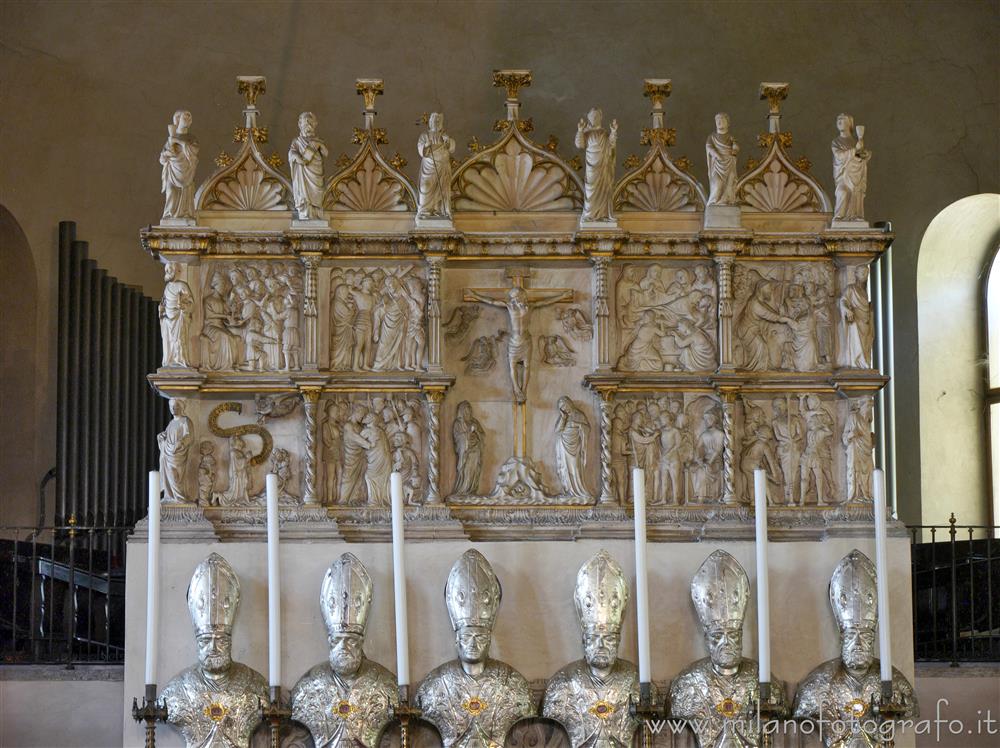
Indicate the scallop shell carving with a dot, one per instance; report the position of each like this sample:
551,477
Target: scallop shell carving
515,181
369,188
248,189
656,188
775,191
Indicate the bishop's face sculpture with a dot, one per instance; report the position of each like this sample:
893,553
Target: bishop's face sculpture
216,701
347,701
724,640
473,700
591,697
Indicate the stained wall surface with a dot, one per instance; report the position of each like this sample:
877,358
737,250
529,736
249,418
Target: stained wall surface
89,89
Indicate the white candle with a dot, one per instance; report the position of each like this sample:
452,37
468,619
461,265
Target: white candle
882,578
763,597
152,576
641,572
399,581
273,584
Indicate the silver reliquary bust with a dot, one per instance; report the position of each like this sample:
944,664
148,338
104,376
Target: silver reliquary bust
840,691
718,694
591,697
347,701
216,702
475,700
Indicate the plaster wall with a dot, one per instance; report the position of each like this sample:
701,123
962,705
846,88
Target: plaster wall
954,261
93,86
536,630
67,714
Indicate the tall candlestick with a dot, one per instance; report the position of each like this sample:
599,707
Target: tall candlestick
273,584
641,572
882,579
763,596
399,581
153,577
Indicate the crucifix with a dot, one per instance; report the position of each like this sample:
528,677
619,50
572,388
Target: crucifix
519,301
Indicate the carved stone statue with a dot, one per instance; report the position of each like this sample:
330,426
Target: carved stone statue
850,170
469,437
717,694
572,432
857,441
333,446
305,158
556,351
347,701
788,439
840,691
519,303
378,460
475,700
815,466
856,349
179,158
435,148
221,343
206,471
591,697
240,474
215,702
353,464
721,150
598,145
708,459
175,443
406,463
175,318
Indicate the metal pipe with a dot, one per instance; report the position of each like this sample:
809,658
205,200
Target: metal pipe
135,488
94,437
78,254
67,267
104,399
80,499
141,434
115,465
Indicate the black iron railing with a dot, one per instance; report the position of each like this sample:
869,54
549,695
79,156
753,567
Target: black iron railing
956,592
62,594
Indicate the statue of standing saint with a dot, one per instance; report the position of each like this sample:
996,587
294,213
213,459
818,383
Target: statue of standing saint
721,150
175,318
572,430
305,157
468,436
599,182
858,335
850,170
179,158
175,443
435,148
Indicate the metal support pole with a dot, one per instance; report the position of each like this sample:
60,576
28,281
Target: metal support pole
68,262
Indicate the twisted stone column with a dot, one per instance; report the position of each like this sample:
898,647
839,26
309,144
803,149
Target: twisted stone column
310,401
434,265
434,398
729,447
607,495
725,270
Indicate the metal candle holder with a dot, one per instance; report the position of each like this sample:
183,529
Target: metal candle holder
766,713
275,713
645,711
404,712
150,712
888,711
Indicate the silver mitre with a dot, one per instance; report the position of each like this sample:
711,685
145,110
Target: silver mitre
472,592
213,596
601,595
853,592
720,591
345,597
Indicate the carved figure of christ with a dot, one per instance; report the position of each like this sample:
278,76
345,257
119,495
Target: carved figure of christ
519,301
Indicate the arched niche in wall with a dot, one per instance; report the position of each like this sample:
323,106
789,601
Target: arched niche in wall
18,374
954,258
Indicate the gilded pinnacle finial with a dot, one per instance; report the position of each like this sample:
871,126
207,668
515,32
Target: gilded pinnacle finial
370,88
512,80
656,90
251,86
775,93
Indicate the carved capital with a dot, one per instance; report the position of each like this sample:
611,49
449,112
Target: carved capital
774,93
656,90
512,80
369,88
251,86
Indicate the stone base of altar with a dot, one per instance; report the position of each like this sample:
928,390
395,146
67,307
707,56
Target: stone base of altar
536,630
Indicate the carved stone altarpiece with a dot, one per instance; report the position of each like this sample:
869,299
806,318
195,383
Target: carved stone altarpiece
511,361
